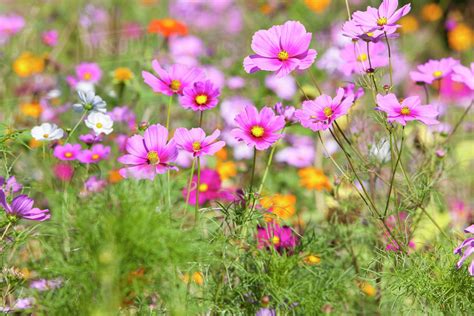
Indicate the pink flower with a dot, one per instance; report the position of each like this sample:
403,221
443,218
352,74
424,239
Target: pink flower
10,25
195,141
434,70
90,72
22,207
259,130
281,238
67,151
97,153
409,109
282,49
173,81
63,171
50,38
465,249
200,96
319,114
209,188
354,31
93,185
356,58
464,75
384,18
149,155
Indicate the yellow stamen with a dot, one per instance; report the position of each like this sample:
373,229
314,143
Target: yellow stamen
201,99
327,111
68,154
275,240
362,57
203,187
99,125
45,135
175,85
153,157
196,146
381,21
437,73
87,76
257,131
95,156
405,110
370,34
283,55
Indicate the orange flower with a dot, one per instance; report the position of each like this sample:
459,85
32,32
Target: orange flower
167,27
28,64
35,143
409,24
31,109
114,176
312,260
226,169
122,75
367,288
461,38
431,12
314,179
281,205
197,278
317,6
222,154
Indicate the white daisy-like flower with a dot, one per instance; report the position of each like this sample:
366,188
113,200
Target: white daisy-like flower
47,132
100,123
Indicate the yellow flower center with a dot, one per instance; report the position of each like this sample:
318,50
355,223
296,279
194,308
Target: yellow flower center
87,76
203,187
68,154
370,34
362,57
175,85
201,99
381,21
283,55
95,156
327,111
196,146
45,135
153,157
275,240
99,125
312,259
405,111
257,131
437,73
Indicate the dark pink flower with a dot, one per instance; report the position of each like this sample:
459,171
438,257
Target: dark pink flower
210,188
200,96
259,130
464,75
282,49
50,38
410,109
67,151
97,153
63,171
280,238
468,244
194,141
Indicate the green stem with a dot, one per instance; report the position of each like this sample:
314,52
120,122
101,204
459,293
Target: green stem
196,209
267,167
76,126
201,114
389,60
169,112
253,169
190,182
6,229
371,74
394,171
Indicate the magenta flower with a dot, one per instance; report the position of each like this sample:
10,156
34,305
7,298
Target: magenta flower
409,109
50,38
259,130
90,139
93,185
210,188
97,153
281,238
195,141
464,75
22,207
63,171
90,72
434,70
354,31
173,81
319,114
281,49
356,58
384,18
10,25
149,155
10,186
200,96
67,151
469,245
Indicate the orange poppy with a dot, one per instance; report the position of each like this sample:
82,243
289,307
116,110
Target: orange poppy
167,27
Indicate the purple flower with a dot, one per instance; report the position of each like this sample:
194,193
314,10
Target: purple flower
90,139
10,186
50,38
299,156
281,238
409,109
22,207
354,31
281,49
173,81
232,106
149,155
67,151
200,96
464,75
434,70
288,112
319,114
468,244
264,311
259,130
209,188
384,18
284,87
93,185
356,58
97,153
195,141
44,284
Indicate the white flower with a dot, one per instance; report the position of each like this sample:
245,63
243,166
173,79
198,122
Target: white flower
47,132
99,122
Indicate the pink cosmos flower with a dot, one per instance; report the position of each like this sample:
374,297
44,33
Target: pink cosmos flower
355,32
22,207
10,186
273,235
384,18
97,153
464,75
195,141
356,58
210,188
259,130
469,245
434,70
88,72
174,80
63,171
409,109
149,155
93,185
200,96
10,25
282,49
319,114
90,139
67,151
50,38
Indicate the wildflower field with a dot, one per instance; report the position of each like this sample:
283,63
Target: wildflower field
234,157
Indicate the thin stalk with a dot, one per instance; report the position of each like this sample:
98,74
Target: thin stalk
6,229
461,119
371,75
392,179
76,126
315,82
427,93
168,115
389,60
196,209
267,167
190,182
201,114
253,169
